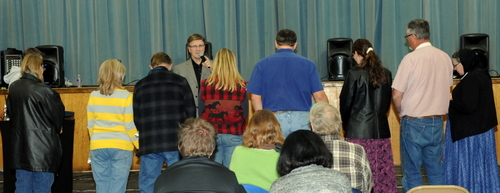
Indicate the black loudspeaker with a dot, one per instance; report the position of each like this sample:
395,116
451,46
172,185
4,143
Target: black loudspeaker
338,57
477,42
9,58
208,51
53,62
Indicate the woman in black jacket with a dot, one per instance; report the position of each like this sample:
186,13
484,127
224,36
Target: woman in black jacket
36,115
364,102
470,157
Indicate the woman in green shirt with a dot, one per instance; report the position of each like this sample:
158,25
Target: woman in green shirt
255,161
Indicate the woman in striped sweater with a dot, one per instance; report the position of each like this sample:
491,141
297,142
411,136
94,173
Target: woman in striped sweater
112,132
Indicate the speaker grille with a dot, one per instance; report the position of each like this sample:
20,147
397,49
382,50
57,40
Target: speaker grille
53,60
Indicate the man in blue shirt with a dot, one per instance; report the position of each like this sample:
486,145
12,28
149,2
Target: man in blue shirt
284,83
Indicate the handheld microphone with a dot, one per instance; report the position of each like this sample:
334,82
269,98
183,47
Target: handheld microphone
203,59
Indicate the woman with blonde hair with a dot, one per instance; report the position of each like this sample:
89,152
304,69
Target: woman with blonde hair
36,116
224,104
255,161
112,131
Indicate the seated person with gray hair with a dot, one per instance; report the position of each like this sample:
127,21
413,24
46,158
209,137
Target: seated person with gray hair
195,172
348,158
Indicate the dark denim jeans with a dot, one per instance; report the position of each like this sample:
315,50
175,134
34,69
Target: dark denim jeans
421,143
28,181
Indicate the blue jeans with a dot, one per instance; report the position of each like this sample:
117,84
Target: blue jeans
151,165
421,143
226,143
293,121
28,181
110,168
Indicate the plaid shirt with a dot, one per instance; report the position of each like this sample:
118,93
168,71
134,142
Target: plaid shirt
224,109
350,159
162,100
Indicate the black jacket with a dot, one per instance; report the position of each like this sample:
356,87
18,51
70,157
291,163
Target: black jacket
162,100
197,174
363,107
472,110
36,115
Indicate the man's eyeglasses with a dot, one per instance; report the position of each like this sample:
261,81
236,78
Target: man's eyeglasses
406,36
455,65
198,46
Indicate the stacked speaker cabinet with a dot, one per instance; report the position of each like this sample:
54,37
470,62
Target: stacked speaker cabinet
338,57
9,58
208,51
53,62
477,42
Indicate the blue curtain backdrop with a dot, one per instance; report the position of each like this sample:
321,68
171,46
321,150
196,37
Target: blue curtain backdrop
92,31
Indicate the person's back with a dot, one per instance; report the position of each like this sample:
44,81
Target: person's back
162,100
255,166
312,178
284,83
427,73
111,129
196,172
348,158
421,90
305,166
361,99
36,116
365,100
254,162
224,104
35,126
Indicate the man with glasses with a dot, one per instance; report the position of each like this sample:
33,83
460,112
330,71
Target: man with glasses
284,83
197,67
421,93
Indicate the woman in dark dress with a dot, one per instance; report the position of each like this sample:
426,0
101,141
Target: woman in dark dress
470,157
364,102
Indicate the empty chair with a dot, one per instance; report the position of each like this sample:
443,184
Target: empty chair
254,189
438,189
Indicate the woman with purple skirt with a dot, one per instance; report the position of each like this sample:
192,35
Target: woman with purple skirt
364,102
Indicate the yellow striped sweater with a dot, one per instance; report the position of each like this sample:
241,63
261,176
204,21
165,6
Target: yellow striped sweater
111,121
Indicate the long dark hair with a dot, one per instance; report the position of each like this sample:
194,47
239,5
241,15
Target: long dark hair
302,148
371,61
